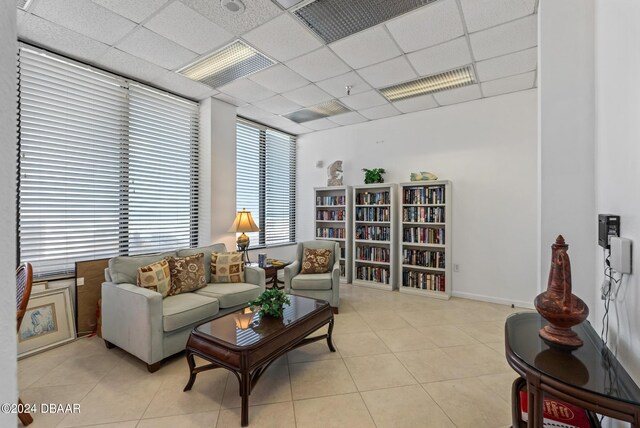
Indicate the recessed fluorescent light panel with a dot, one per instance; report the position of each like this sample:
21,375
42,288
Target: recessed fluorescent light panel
23,4
326,109
232,62
335,19
430,84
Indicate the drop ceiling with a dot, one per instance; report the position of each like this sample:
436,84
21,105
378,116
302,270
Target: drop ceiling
150,40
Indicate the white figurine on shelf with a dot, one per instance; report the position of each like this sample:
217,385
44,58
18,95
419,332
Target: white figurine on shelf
334,174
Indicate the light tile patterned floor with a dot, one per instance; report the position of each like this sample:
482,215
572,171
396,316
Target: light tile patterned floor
402,361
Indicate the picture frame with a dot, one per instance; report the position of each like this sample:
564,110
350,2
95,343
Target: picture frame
48,322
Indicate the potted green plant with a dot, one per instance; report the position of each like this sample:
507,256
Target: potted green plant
373,175
270,303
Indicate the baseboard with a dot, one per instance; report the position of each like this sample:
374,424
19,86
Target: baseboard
490,299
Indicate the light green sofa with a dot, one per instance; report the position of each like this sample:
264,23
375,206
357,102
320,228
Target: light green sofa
141,322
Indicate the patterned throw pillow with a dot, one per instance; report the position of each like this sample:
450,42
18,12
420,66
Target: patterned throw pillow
156,277
187,273
316,260
227,267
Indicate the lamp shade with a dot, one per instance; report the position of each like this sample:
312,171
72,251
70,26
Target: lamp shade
244,223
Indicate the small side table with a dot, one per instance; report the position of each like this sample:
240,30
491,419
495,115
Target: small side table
271,274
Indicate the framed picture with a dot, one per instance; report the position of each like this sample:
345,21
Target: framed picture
48,322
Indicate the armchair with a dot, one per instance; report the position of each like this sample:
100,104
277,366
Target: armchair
324,286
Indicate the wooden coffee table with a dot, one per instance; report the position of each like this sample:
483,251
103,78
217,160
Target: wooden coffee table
246,344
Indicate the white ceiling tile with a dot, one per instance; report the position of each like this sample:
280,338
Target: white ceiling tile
511,37
184,86
481,14
427,26
230,100
388,73
442,57
246,90
21,19
59,39
363,100
507,65
277,105
296,129
308,96
128,65
519,82
320,124
279,78
336,86
257,12
348,118
282,38
85,18
367,47
154,48
423,102
318,65
252,112
458,95
277,121
188,28
379,112
136,11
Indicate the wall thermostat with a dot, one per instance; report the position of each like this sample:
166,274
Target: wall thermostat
608,226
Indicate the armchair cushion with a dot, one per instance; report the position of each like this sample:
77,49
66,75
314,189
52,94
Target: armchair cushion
231,294
124,269
215,248
187,308
227,267
187,273
316,260
155,277
315,281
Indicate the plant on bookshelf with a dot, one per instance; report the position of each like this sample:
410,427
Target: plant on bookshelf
373,175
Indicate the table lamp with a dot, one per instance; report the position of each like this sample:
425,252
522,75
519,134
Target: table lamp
244,223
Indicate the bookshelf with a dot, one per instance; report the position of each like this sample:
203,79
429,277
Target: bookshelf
332,211
374,243
425,238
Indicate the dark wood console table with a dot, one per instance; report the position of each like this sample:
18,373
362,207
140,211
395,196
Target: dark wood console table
589,377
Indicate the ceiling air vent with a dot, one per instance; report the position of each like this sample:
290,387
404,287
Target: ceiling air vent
318,111
427,85
23,4
334,19
232,62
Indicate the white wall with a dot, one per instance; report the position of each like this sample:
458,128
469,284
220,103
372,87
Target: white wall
567,142
618,160
8,351
487,148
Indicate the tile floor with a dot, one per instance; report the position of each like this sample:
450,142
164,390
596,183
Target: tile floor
401,361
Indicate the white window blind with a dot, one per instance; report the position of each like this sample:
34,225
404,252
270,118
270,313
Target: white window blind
265,181
106,166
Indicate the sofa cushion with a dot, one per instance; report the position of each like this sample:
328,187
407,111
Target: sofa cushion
227,267
215,248
182,310
124,269
187,274
231,294
315,260
156,277
313,281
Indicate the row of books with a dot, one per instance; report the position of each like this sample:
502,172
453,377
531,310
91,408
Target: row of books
424,258
343,252
423,195
423,214
373,233
331,200
373,198
373,273
373,254
423,280
330,232
373,214
343,270
330,215
423,235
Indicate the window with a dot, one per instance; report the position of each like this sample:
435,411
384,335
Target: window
265,182
107,166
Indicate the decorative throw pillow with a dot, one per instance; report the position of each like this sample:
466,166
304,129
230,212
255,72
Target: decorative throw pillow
227,267
187,273
316,260
156,277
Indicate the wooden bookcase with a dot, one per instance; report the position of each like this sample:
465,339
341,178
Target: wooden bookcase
333,211
374,241
424,233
